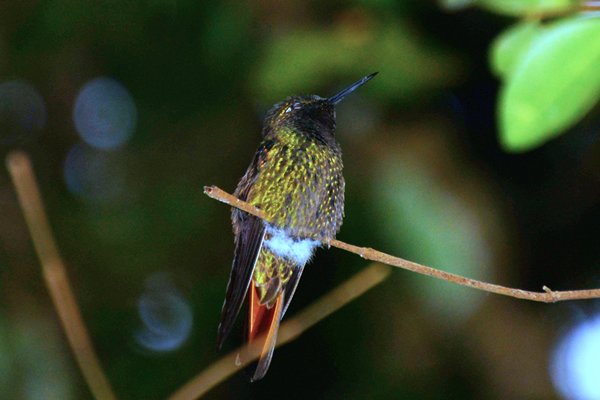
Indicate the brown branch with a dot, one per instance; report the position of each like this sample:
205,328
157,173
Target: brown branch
288,331
55,275
547,296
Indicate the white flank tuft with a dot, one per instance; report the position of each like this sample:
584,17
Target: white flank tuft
283,245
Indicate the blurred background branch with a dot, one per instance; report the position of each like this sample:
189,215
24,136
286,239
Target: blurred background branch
289,330
55,275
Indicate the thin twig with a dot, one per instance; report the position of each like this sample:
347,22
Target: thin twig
548,296
288,331
55,275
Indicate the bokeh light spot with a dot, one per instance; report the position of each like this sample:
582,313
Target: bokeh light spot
575,366
105,114
22,112
166,316
94,175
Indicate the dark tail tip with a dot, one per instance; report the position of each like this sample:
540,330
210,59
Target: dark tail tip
221,336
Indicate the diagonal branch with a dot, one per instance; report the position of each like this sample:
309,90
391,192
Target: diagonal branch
547,296
55,275
288,331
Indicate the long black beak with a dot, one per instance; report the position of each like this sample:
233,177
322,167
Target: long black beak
336,98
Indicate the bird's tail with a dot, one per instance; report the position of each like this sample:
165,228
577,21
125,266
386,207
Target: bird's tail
263,324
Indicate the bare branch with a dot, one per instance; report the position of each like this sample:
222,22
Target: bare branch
547,296
288,331
55,275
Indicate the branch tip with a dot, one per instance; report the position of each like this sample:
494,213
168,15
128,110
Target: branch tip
547,289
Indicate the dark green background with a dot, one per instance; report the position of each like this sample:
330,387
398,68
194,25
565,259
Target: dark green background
426,180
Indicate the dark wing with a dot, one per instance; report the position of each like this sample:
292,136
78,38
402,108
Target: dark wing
247,247
249,234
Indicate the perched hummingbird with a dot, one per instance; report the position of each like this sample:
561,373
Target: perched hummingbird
296,179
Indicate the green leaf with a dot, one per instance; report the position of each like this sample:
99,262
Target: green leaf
525,7
553,84
510,46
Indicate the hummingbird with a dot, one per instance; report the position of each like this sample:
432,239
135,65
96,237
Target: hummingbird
296,179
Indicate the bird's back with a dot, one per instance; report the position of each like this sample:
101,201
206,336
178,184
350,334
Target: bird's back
299,185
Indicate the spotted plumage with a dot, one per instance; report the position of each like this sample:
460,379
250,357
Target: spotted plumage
296,179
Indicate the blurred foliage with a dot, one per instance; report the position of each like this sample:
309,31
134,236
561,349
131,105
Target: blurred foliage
510,45
409,65
552,83
427,179
431,224
547,68
519,8
514,8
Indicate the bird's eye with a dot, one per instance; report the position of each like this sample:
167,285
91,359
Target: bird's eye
294,106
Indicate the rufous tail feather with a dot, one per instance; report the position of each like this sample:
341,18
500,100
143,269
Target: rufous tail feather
263,325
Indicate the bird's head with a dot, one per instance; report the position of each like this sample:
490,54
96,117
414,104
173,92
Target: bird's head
313,115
